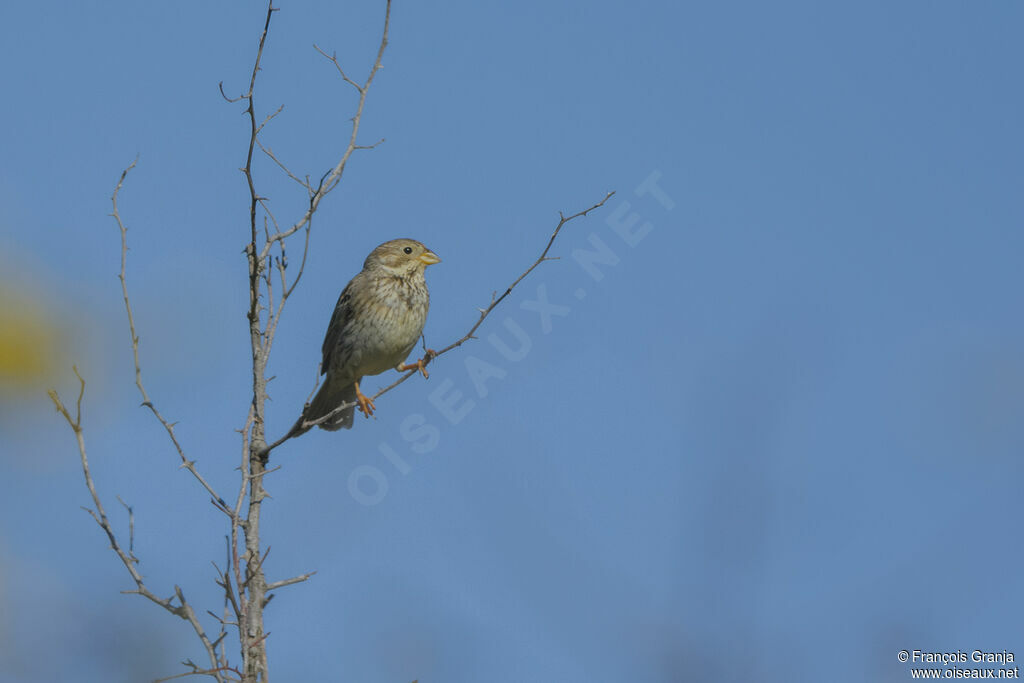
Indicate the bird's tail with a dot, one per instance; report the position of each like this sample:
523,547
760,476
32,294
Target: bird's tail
326,401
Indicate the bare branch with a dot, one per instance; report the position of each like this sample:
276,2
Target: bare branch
182,609
269,118
131,528
243,581
270,153
225,95
334,176
200,672
333,59
146,401
255,263
302,265
373,146
239,605
251,590
288,582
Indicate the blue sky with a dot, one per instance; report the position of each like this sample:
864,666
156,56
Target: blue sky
779,438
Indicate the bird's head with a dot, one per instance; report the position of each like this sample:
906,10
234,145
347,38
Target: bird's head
401,257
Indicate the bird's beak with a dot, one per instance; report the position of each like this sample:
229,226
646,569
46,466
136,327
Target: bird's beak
428,257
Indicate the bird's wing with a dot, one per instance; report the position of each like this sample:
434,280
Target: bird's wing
339,321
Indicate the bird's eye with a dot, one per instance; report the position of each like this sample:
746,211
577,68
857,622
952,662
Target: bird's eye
408,250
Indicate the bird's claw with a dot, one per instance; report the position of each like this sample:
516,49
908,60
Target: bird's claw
420,364
365,402
366,405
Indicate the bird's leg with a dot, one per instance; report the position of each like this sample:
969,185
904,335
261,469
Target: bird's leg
420,365
365,402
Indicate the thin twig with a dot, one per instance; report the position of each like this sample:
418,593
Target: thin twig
288,582
302,266
270,153
334,60
146,401
131,528
200,672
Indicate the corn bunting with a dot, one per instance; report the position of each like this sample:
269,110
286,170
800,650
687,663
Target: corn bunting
376,323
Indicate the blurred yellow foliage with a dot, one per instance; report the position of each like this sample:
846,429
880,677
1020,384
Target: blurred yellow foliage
29,342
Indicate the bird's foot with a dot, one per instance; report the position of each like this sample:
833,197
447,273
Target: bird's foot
365,402
420,365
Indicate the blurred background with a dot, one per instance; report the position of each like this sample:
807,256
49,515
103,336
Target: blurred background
773,431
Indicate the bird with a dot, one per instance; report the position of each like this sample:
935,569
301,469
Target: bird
376,323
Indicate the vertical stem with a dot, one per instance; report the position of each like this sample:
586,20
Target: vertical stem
255,644
254,590
253,641
252,636
254,648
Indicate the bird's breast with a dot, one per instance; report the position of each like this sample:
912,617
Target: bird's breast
390,326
